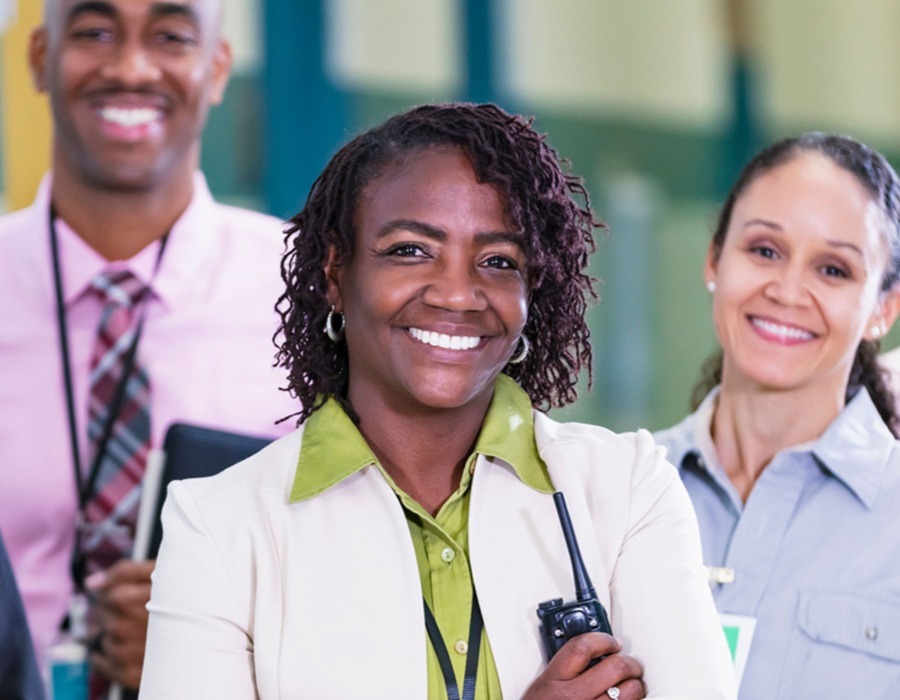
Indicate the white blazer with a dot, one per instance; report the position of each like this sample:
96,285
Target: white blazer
254,596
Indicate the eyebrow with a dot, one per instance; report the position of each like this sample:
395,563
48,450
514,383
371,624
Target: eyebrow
833,242
107,9
436,234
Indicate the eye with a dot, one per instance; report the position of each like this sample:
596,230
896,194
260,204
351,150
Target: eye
176,38
835,271
764,251
93,34
501,262
406,250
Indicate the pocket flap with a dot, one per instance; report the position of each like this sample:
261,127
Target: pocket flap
866,623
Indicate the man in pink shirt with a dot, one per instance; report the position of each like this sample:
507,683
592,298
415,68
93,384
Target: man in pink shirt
130,83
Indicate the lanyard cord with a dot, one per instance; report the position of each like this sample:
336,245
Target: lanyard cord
86,489
476,625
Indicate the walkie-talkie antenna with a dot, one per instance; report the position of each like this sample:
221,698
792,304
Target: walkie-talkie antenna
584,589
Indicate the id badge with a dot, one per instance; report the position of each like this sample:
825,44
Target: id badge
739,631
68,671
67,657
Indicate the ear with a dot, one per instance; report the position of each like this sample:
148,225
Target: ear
884,316
710,268
334,275
221,70
37,58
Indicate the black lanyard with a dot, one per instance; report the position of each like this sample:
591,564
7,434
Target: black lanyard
440,649
86,487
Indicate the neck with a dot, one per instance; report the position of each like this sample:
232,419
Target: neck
752,424
118,224
424,453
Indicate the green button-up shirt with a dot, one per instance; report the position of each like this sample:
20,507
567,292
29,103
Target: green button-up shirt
333,449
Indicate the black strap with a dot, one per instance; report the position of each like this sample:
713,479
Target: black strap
86,487
476,625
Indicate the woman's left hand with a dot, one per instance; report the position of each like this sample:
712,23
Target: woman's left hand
567,676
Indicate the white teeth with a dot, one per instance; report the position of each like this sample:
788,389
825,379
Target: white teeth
442,340
130,117
782,331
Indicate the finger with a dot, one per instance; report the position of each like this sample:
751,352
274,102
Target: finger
631,689
120,663
123,571
575,655
616,668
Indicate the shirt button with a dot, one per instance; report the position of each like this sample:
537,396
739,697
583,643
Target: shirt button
448,555
462,647
872,632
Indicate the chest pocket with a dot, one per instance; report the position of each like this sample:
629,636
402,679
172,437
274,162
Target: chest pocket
869,624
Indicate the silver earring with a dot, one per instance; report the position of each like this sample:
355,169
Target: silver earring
521,354
335,334
875,331
711,287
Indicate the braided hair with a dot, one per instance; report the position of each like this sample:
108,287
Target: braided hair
879,179
546,204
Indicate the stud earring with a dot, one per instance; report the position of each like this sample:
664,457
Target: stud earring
334,334
875,331
711,287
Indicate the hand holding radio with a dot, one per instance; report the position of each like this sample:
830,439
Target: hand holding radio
583,656
571,673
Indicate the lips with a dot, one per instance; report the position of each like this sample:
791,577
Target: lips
445,340
785,333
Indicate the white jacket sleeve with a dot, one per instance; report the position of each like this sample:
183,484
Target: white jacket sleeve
659,590
199,643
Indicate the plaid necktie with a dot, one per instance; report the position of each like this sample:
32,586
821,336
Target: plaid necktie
111,508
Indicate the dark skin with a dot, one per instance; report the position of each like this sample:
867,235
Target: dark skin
121,187
434,299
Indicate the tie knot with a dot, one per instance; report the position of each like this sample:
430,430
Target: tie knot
119,287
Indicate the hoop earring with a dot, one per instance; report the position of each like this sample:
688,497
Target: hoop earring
521,354
334,334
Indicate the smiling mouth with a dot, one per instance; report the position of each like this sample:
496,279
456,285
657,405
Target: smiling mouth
130,117
781,331
444,341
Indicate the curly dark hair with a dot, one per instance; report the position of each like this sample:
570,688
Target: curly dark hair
879,179
548,205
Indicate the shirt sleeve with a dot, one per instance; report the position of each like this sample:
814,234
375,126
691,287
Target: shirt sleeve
199,645
659,591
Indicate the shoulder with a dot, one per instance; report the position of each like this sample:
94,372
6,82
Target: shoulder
677,439
243,489
627,457
247,222
18,226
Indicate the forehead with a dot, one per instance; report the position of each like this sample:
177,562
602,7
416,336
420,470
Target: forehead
431,180
812,194
204,12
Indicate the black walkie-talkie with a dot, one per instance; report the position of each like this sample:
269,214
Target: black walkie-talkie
561,621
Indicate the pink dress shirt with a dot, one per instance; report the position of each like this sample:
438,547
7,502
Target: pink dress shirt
206,344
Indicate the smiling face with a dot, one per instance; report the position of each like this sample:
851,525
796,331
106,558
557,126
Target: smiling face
798,278
435,295
130,83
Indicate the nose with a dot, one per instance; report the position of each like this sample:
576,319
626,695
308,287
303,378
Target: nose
455,286
788,286
131,64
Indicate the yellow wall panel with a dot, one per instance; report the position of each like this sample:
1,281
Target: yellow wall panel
26,119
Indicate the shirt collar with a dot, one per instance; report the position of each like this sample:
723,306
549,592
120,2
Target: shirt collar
189,248
333,448
855,448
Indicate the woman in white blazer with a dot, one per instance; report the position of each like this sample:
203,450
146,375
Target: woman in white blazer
397,544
